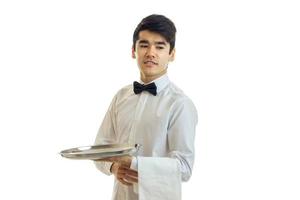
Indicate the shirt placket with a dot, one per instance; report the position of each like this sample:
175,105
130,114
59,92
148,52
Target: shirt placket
137,116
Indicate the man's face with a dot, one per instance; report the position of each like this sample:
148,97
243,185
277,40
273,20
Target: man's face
152,54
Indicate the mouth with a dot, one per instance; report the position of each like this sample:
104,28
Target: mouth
150,62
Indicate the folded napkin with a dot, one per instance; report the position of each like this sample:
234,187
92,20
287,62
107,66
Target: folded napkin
159,179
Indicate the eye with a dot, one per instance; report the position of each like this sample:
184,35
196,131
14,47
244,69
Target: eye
160,47
143,46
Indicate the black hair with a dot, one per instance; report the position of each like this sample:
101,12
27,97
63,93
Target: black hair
158,24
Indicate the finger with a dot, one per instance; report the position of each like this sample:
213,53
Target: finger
124,182
131,179
121,174
122,170
131,172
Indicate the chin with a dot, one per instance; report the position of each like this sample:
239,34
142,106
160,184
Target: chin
148,70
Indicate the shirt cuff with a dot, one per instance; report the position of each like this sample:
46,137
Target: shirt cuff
134,164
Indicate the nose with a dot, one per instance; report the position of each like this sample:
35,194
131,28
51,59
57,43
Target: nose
151,51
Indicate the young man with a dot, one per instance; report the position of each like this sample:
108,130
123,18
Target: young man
154,113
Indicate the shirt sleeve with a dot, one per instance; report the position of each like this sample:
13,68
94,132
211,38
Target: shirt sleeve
106,135
181,135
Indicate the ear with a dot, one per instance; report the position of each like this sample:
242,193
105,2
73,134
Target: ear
133,53
172,55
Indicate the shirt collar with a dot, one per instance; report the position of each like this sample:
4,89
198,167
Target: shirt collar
160,82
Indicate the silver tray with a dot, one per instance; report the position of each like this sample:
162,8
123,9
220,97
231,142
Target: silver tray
96,152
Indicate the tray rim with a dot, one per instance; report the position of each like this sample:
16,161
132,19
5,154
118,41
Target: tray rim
79,154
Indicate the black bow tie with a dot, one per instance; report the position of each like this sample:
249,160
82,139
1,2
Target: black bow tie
138,88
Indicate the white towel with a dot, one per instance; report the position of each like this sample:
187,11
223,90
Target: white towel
159,179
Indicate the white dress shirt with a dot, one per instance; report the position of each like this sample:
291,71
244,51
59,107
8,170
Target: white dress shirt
164,125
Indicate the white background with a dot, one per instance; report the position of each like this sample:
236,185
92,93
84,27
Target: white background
62,61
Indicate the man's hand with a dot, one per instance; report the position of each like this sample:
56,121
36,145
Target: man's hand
121,169
123,174
124,160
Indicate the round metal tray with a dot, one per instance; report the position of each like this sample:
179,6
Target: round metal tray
96,152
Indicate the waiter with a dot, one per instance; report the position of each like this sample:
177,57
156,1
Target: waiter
152,112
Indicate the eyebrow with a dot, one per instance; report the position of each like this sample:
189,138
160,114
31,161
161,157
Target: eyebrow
157,43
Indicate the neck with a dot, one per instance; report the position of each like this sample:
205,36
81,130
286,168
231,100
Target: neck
148,79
